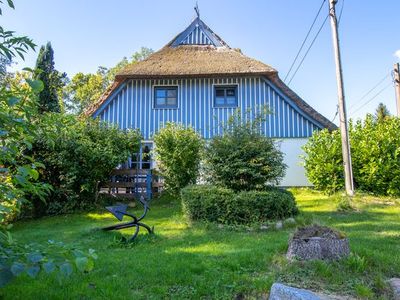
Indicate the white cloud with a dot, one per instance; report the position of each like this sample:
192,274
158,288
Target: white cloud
397,54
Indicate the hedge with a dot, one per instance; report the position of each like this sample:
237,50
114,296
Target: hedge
222,205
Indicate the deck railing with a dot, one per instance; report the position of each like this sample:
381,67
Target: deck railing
133,183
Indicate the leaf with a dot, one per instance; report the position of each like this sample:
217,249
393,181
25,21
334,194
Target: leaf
35,257
78,253
66,269
13,100
36,85
5,276
81,263
49,267
33,271
17,268
10,4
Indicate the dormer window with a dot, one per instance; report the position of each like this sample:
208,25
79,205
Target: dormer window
166,97
225,96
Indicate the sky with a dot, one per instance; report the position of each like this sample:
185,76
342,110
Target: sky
90,33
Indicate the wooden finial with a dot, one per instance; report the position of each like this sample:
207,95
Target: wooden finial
197,10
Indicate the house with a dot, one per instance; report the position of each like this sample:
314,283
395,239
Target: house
197,79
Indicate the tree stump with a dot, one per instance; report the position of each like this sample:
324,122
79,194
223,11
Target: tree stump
318,242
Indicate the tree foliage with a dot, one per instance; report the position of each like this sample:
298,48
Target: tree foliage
85,89
178,155
382,112
375,149
77,153
52,79
243,158
19,174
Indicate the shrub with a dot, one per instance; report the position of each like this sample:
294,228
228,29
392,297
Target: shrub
217,204
323,161
77,154
243,158
178,155
375,149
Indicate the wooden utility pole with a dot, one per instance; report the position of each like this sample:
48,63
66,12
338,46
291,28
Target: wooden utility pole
348,172
397,86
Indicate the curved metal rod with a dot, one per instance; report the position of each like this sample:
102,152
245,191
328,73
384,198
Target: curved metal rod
135,234
150,230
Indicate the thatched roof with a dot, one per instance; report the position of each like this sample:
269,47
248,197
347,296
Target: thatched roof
195,60
199,52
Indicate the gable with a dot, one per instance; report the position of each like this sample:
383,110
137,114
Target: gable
198,33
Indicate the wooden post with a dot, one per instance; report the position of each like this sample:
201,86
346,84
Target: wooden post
149,184
348,172
397,86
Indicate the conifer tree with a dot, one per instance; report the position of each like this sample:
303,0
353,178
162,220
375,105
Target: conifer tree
51,78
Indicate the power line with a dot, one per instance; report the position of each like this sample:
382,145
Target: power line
376,95
370,91
340,14
308,50
337,112
305,39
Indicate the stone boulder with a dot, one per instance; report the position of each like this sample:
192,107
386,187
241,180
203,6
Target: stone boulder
395,286
317,242
283,292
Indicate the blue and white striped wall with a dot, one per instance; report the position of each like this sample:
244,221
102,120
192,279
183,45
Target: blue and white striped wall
131,106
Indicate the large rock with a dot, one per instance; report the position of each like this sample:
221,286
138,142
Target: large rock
395,285
317,242
283,292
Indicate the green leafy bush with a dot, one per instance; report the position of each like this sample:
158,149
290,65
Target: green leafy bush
243,158
375,149
217,204
178,155
323,161
77,154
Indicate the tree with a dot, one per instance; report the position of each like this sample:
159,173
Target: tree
52,79
19,178
382,112
85,89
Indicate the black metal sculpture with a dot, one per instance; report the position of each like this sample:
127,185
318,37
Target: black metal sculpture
120,210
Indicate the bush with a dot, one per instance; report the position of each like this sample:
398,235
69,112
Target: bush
243,158
178,156
324,162
375,149
217,204
77,154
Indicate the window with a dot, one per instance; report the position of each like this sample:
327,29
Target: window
225,96
166,97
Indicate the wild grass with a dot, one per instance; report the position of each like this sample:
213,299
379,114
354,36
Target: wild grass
207,261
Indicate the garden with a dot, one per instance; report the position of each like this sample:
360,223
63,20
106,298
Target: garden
221,226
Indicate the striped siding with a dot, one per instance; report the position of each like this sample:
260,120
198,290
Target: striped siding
196,37
132,107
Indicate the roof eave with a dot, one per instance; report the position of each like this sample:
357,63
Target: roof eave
194,75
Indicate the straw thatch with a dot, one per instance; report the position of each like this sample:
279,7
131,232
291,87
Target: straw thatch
190,60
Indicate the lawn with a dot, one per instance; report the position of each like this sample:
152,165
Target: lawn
183,261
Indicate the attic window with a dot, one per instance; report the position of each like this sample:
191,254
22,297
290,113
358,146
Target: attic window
225,96
166,97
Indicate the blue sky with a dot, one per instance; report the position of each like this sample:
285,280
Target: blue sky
87,34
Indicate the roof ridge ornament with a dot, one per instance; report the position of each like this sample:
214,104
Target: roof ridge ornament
197,10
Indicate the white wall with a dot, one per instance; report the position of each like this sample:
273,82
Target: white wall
295,173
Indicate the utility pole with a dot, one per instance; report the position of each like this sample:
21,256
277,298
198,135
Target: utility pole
397,86
348,172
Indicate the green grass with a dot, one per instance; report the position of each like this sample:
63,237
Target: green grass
183,261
